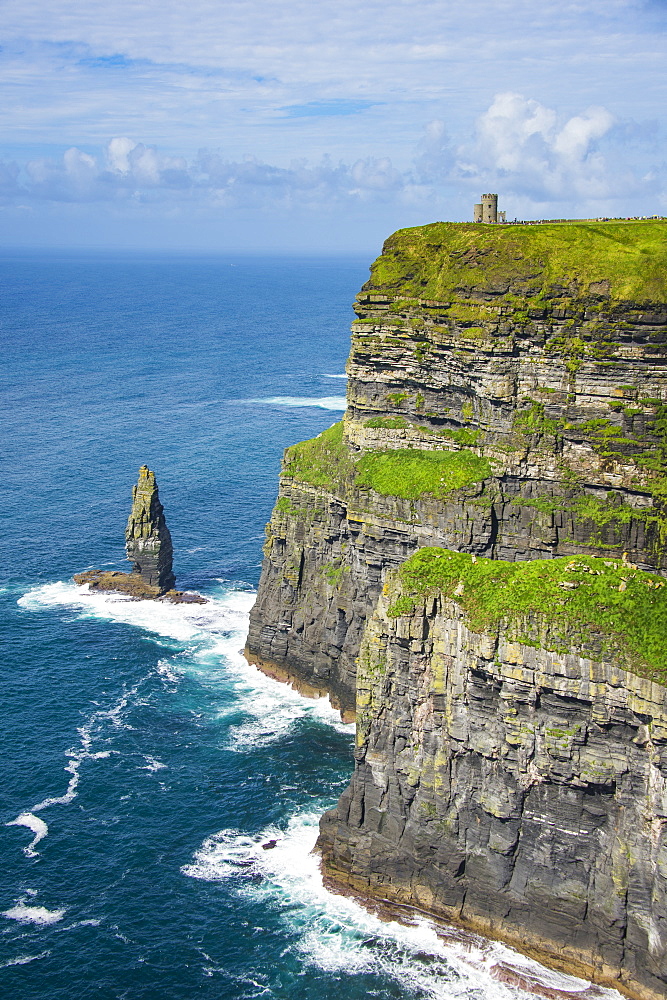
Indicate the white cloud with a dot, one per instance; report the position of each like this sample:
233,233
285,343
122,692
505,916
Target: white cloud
128,171
574,140
526,148
118,154
541,163
182,76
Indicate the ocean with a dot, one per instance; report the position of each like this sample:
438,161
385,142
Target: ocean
146,765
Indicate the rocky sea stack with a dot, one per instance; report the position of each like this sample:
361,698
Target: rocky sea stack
473,563
147,539
149,548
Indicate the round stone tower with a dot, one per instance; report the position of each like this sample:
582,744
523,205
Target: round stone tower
489,208
478,215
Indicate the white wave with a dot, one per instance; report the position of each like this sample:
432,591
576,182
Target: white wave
92,922
152,764
38,827
33,914
168,670
323,402
325,375
23,959
277,868
271,707
182,622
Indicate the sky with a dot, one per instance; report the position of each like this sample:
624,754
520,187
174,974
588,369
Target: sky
301,126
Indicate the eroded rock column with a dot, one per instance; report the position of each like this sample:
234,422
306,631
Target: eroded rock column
147,539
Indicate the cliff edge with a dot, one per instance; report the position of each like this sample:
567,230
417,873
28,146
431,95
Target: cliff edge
511,759
473,562
507,396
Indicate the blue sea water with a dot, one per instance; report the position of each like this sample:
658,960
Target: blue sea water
145,765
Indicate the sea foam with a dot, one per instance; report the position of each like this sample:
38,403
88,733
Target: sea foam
181,622
323,402
33,914
271,707
23,959
38,827
279,869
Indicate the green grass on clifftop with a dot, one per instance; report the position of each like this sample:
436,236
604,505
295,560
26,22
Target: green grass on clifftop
407,473
579,600
626,260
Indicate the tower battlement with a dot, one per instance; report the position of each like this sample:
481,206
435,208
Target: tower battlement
487,210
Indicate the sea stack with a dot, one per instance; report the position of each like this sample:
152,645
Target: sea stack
149,549
147,539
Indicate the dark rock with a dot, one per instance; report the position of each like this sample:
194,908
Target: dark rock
147,539
505,788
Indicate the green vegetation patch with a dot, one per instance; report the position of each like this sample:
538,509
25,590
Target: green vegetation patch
577,601
406,472
532,420
410,472
464,436
391,423
334,571
322,461
621,260
396,397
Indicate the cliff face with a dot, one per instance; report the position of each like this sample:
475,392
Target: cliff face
507,402
507,396
509,782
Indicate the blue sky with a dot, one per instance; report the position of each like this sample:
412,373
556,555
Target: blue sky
322,126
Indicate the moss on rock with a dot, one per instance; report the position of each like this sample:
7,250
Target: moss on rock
583,602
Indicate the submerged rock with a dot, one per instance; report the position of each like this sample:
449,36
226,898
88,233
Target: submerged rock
147,539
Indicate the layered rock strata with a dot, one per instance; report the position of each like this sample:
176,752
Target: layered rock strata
535,359
507,398
149,547
511,783
147,539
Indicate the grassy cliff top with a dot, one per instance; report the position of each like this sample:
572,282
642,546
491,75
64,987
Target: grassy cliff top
580,601
620,260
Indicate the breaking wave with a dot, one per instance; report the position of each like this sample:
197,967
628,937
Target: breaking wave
323,402
277,867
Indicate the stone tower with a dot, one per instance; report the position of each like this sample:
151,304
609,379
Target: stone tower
147,539
489,208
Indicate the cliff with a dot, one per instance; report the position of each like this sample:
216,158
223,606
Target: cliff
507,414
507,396
511,763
